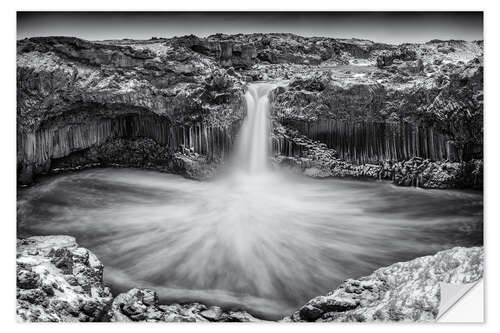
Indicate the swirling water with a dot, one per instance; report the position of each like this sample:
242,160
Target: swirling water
255,238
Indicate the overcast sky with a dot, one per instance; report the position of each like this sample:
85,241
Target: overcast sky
388,27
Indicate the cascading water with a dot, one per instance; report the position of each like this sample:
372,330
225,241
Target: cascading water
253,144
262,241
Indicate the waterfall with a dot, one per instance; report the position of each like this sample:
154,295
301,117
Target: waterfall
253,145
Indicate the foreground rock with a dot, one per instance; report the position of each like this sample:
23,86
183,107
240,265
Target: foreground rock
143,305
59,281
405,291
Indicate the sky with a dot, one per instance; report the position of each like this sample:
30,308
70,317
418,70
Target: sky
385,27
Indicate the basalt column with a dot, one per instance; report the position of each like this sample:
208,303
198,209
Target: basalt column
36,149
370,142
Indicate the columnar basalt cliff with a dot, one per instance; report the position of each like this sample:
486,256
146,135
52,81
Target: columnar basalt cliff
183,99
419,103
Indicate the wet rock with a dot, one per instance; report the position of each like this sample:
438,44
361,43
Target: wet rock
214,313
310,313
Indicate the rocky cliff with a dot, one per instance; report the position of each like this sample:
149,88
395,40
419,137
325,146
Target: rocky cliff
370,102
59,281
74,95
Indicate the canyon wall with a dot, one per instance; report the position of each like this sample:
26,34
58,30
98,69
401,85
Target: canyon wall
74,95
78,100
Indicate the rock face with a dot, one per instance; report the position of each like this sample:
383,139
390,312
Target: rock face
406,291
416,119
74,95
448,103
59,281
143,305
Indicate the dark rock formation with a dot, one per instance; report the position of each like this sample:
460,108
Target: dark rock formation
120,140
315,159
405,291
371,142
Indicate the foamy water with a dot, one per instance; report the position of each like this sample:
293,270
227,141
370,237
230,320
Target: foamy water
255,239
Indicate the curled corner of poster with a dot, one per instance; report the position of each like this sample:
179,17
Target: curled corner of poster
462,303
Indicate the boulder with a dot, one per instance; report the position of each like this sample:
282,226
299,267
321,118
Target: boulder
143,305
59,281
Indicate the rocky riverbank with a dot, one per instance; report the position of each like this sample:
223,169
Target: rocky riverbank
405,291
57,280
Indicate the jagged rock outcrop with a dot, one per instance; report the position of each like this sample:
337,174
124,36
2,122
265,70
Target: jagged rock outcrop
143,305
387,58
405,291
59,281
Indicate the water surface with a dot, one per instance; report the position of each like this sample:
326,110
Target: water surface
265,243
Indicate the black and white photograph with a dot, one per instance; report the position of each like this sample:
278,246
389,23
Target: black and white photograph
247,166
